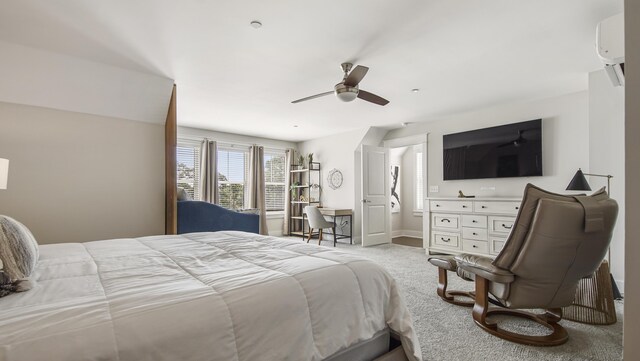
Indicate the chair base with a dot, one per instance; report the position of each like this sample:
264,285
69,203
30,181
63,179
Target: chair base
448,296
549,320
558,336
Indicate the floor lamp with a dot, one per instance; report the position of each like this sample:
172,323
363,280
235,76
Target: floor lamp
594,297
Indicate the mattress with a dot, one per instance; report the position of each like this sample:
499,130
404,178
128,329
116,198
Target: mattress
201,296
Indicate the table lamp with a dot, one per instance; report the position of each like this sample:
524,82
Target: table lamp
4,172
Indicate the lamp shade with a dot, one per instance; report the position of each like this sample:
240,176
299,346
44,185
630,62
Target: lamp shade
4,172
579,182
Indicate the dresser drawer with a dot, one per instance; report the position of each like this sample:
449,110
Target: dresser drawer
496,245
449,240
451,206
501,224
469,245
496,207
474,233
447,221
474,221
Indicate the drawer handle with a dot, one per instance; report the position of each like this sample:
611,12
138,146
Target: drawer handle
474,246
474,221
474,233
507,227
445,220
445,240
437,205
483,206
463,206
517,208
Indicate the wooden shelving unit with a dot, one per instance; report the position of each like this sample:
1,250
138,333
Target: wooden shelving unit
305,179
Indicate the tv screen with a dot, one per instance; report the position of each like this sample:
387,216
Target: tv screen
512,150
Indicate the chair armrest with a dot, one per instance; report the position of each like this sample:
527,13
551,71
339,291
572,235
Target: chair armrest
446,262
483,267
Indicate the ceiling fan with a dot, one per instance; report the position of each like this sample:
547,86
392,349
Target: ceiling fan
347,90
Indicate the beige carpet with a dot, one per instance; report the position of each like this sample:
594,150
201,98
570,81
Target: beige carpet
447,332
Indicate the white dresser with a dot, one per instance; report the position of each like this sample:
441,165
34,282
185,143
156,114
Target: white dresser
469,225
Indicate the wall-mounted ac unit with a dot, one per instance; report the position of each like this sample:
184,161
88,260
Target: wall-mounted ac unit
610,47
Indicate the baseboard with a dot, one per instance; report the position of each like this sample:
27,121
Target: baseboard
406,233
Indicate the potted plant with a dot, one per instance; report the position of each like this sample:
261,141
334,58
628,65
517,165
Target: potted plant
301,161
293,189
310,159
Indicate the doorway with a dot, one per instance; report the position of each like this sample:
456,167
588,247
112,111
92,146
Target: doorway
407,192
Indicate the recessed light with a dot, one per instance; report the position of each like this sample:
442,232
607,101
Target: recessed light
415,90
256,24
295,126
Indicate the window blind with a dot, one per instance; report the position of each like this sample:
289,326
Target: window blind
233,172
274,173
419,182
188,159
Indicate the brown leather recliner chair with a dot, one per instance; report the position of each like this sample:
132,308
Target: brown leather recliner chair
556,241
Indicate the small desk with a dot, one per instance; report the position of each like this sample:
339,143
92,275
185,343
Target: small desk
335,213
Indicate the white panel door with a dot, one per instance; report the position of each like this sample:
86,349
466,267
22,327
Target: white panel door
376,208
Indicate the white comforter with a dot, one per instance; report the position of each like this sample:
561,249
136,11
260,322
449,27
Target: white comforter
201,296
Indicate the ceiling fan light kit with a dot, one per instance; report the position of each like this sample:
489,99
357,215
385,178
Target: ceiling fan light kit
346,93
348,90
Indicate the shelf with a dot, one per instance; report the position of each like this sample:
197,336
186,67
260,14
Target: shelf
301,186
298,217
299,170
299,202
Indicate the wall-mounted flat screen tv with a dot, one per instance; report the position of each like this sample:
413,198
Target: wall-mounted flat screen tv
512,150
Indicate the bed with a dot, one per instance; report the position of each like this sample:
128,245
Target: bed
225,295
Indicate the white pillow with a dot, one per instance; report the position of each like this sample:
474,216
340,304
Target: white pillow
18,253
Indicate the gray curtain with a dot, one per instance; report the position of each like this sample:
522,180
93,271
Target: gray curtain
208,184
288,161
256,187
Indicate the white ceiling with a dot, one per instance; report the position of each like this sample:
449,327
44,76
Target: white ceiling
463,54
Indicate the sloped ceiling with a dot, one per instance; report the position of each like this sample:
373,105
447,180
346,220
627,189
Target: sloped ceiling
462,55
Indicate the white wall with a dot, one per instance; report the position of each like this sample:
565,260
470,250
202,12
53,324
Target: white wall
606,154
275,221
75,177
632,180
46,79
411,222
565,144
342,151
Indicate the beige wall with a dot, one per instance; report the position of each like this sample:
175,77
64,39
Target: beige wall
75,177
632,175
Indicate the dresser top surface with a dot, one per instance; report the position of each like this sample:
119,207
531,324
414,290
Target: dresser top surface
503,199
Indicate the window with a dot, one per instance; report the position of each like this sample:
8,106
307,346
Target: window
233,172
274,173
419,180
188,159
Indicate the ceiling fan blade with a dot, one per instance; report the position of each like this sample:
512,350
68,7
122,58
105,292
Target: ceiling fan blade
356,75
312,97
370,97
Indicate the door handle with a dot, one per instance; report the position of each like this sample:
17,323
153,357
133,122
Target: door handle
366,201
